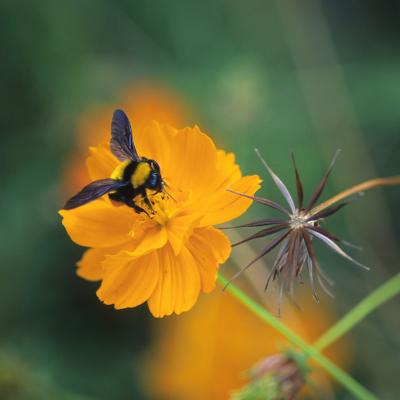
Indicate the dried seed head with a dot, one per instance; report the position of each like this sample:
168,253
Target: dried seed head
295,236
280,376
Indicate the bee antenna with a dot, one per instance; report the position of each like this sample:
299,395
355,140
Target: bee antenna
168,186
167,192
170,195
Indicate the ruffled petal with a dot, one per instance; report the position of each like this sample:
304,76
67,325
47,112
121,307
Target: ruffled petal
224,206
129,284
99,224
101,163
210,248
194,158
178,283
155,142
151,238
146,239
134,262
89,266
179,229
227,172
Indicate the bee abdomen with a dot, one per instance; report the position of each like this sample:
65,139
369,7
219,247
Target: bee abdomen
119,171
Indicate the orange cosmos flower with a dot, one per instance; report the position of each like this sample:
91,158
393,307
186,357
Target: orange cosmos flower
166,259
225,341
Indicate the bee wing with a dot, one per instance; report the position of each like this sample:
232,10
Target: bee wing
92,192
121,143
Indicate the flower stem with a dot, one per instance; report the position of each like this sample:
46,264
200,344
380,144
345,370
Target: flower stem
379,296
341,376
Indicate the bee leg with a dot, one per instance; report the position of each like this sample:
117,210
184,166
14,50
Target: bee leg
114,196
130,203
116,199
148,203
147,200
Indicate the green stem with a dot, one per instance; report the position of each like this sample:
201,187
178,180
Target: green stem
341,376
359,312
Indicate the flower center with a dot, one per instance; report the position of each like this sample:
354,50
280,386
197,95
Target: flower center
299,219
164,206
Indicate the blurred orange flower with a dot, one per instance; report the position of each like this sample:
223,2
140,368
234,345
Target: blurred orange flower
205,354
146,102
169,258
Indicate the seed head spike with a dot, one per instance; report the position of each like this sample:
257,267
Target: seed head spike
318,191
281,186
299,185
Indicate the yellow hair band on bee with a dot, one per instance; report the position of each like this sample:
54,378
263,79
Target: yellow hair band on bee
118,172
140,174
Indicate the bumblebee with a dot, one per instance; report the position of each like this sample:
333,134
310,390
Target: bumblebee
132,178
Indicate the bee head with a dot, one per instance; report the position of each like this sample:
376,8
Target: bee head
154,166
155,181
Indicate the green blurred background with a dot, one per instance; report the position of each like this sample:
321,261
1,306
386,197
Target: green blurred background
280,75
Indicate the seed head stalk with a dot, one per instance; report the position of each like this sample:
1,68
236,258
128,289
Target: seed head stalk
361,187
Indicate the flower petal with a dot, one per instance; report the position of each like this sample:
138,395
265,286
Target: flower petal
178,283
194,158
129,285
224,206
89,266
101,163
210,248
99,224
226,173
179,229
147,238
152,238
155,142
